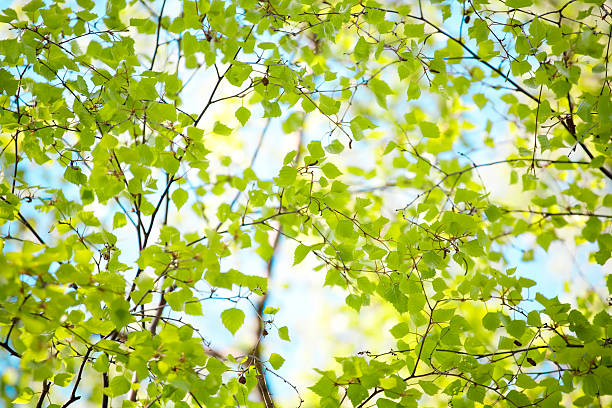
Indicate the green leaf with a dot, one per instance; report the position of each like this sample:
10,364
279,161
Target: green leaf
414,30
466,196
162,112
335,147
119,385
480,100
63,379
328,106
194,307
330,171
271,109
101,364
243,115
362,50
316,150
493,213
168,162
324,387
271,310
429,129
293,122
356,393
232,319
238,73
179,197
119,220
533,319
386,403
24,396
516,328
381,91
220,129
359,124
287,176
300,253
283,333
400,330
476,393
526,382
491,321
519,3
276,361
429,387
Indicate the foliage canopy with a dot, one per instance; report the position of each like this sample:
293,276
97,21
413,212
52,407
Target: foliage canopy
130,188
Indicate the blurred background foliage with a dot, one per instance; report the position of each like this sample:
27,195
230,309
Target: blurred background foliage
305,203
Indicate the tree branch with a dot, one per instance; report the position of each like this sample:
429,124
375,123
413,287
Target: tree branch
159,27
10,350
43,393
219,80
558,214
73,396
29,227
105,384
262,385
160,309
571,128
5,343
